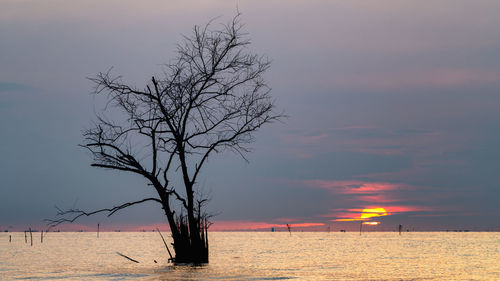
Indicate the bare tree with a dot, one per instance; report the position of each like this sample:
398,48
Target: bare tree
211,99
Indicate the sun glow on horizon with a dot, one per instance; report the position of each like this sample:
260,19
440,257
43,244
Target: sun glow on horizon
366,214
370,213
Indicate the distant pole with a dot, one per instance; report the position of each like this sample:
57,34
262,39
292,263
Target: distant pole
10,238
31,237
41,236
97,230
400,228
25,238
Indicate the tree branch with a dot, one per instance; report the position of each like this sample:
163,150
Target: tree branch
76,213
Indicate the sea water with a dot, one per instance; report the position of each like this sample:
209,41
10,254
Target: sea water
256,256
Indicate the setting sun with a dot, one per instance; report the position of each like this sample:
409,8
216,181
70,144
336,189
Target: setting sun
364,214
370,213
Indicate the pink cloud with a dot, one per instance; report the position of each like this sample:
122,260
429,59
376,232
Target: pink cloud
401,208
304,140
236,225
354,187
370,195
252,225
381,198
363,191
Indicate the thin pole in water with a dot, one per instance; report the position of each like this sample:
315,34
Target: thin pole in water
97,230
31,237
10,238
25,238
41,236
170,254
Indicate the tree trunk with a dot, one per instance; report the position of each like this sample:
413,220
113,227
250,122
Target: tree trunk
190,246
188,252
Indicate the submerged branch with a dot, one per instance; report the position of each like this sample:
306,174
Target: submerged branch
130,259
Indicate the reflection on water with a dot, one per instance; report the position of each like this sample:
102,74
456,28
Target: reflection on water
256,256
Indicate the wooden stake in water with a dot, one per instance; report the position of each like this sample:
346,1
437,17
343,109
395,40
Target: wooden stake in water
25,238
41,236
97,230
170,254
10,238
31,237
400,228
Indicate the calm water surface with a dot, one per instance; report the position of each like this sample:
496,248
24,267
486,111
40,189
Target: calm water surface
256,256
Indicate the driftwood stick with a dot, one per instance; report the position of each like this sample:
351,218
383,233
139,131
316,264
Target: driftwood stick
130,259
170,254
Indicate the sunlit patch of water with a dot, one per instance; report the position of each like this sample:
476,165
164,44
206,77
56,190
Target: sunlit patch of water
257,256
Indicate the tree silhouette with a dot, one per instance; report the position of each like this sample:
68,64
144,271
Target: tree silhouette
211,99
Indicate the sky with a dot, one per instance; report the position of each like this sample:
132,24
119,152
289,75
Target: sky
393,112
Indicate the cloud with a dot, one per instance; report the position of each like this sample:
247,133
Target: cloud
380,198
304,139
400,209
253,225
371,199
363,139
355,187
364,192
